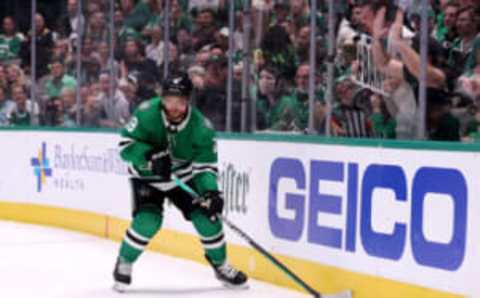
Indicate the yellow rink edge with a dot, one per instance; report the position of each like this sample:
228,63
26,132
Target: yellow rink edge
326,279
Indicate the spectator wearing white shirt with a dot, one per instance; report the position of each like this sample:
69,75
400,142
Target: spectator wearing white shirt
116,108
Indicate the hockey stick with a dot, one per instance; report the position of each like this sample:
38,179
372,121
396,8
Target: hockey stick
263,251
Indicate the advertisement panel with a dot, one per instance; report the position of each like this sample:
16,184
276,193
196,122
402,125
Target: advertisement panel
71,170
406,215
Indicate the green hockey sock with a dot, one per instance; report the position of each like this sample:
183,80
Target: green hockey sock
144,226
211,236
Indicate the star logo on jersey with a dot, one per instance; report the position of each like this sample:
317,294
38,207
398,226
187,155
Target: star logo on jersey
41,167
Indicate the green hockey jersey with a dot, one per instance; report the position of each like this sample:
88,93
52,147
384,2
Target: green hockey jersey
190,144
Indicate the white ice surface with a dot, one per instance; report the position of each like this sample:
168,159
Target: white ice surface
44,262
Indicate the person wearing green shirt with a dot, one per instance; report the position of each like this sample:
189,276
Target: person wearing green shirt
137,16
166,136
383,124
26,111
298,101
461,52
445,30
10,41
58,79
271,108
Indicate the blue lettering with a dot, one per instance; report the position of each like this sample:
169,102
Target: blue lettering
389,246
351,230
444,181
327,171
290,229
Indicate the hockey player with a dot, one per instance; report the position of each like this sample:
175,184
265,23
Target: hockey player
166,136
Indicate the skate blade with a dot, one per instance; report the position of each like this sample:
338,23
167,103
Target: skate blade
243,286
344,294
119,287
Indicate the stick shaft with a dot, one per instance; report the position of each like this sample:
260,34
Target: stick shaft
253,243
270,257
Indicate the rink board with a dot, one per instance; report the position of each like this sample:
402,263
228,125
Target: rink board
383,219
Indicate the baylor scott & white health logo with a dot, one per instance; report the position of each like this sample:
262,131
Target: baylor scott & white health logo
41,167
66,167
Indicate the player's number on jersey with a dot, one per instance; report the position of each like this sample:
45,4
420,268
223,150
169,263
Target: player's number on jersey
132,124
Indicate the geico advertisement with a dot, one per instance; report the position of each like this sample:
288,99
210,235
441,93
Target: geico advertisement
73,170
408,215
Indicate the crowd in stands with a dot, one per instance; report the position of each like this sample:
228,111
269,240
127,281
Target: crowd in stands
124,67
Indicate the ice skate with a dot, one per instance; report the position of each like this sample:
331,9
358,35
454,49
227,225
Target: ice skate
229,276
122,275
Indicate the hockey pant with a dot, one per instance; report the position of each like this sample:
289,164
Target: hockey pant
148,216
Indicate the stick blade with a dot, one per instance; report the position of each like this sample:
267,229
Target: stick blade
344,294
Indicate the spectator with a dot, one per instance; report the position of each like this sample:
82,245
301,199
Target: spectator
44,45
277,50
467,29
299,99
402,106
211,100
154,17
446,31
300,16
202,56
123,31
154,49
3,78
221,39
129,88
61,51
270,104
281,11
347,119
26,112
205,28
197,76
68,108
184,47
10,41
15,77
71,21
92,111
136,16
58,80
441,124
383,125
93,7
179,19
174,65
303,44
7,107
97,29
134,61
106,62
409,58
116,109
184,42
473,126
61,111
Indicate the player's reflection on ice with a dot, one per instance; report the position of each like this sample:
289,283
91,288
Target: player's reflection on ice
45,262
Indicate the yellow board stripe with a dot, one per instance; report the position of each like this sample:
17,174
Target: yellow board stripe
326,279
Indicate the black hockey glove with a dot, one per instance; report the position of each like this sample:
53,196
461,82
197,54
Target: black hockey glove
161,164
212,203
